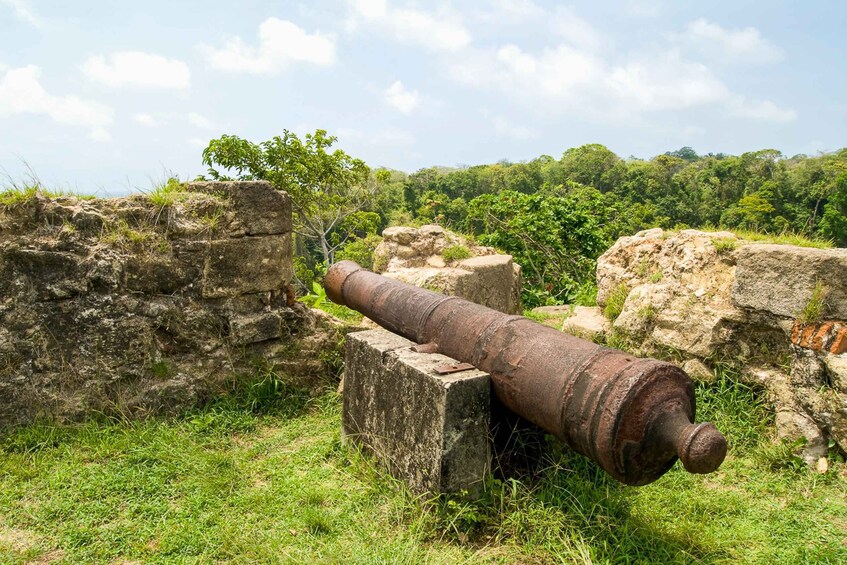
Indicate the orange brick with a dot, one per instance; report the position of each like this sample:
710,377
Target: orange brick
840,344
807,334
796,331
817,342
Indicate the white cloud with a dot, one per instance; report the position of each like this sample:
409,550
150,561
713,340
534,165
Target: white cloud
740,45
555,74
512,131
441,31
21,92
146,120
281,43
201,122
383,137
762,110
519,8
666,83
643,8
575,30
401,98
23,11
509,12
567,79
138,69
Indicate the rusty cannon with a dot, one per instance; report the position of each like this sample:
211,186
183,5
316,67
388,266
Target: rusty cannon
632,416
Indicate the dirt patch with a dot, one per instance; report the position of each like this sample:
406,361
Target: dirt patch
18,540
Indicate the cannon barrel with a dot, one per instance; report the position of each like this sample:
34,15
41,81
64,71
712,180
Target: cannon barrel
632,416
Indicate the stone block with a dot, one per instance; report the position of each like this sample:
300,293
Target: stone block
156,274
781,278
259,208
492,280
246,265
255,328
431,430
52,275
587,322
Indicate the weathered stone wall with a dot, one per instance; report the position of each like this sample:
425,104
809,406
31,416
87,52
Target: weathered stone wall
421,256
712,297
138,305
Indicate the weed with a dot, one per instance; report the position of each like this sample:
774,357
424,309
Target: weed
119,234
168,192
816,307
643,267
212,220
455,253
617,339
724,245
615,302
162,369
656,276
647,313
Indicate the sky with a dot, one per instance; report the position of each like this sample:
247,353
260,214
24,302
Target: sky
113,97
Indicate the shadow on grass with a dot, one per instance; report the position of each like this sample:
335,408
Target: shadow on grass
544,496
236,410
569,509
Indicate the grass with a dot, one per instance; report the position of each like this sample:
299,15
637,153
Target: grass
816,307
121,235
167,193
785,238
615,302
17,195
455,253
20,193
263,477
724,245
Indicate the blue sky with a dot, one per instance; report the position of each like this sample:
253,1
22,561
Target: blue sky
108,97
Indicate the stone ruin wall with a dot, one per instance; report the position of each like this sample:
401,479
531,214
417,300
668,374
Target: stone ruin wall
128,306
712,298
421,256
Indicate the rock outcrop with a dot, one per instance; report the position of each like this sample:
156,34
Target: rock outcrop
710,296
434,258
131,306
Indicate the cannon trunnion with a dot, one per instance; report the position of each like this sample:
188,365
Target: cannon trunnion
632,416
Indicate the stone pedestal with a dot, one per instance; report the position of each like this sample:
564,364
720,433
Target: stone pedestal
431,430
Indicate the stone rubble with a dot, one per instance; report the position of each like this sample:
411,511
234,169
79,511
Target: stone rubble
710,296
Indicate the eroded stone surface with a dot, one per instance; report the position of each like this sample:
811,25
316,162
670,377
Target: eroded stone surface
123,305
712,295
781,278
417,256
587,322
247,265
259,209
431,430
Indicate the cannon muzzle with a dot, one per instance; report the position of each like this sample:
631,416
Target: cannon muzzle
632,416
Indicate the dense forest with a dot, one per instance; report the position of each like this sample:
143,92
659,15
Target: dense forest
555,215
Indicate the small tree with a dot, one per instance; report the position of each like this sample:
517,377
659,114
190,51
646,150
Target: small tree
330,191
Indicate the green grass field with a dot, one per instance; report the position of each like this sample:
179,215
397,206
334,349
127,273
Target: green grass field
266,479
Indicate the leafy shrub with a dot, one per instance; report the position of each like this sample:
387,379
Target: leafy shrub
360,250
